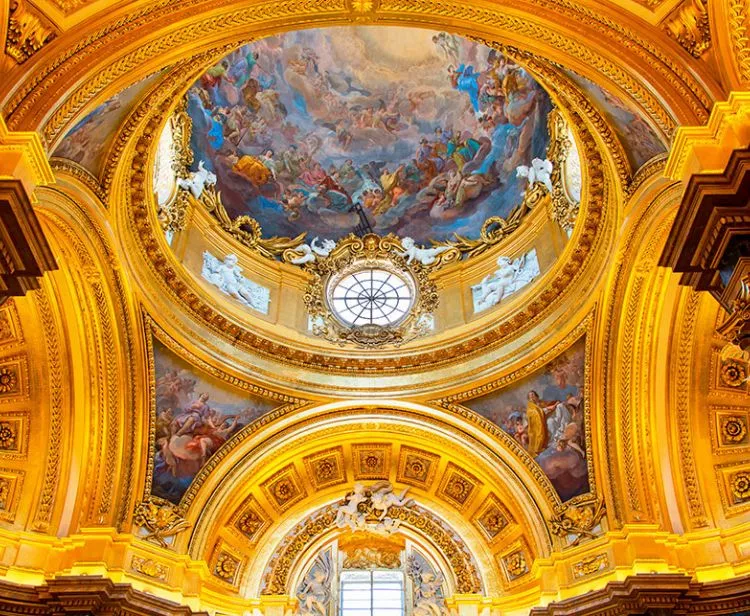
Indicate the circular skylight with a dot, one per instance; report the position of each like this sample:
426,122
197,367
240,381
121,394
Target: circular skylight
371,296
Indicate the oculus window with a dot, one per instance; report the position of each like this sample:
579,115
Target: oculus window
371,296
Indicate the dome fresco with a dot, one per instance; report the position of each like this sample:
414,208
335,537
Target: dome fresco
393,130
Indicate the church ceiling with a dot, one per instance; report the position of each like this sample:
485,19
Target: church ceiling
216,425
301,127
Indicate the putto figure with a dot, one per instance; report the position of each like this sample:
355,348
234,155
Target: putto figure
366,509
313,251
227,276
425,256
197,181
509,277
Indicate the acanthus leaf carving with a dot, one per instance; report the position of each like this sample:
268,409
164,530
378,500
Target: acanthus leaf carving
28,31
160,519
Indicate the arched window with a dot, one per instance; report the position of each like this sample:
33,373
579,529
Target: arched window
366,580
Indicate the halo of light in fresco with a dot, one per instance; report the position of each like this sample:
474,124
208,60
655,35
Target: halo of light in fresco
393,130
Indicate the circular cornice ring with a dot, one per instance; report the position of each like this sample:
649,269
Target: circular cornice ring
152,114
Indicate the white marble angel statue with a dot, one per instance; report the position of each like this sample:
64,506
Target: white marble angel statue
427,584
197,180
227,276
540,172
425,256
313,251
509,277
383,498
348,513
314,592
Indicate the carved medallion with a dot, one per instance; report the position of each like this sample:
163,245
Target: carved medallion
740,487
326,468
458,486
284,488
371,461
417,467
492,518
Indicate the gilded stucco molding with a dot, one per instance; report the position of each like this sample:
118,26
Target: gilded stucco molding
83,175
44,510
208,509
739,14
631,291
708,147
28,31
689,26
684,364
647,171
109,335
420,520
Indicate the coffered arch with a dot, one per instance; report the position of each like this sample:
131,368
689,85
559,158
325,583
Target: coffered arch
453,469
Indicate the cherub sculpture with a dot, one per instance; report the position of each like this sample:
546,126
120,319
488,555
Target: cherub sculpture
538,173
314,593
425,256
313,251
383,498
197,180
227,276
509,277
348,513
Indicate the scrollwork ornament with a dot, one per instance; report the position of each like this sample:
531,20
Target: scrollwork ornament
181,126
561,209
160,519
578,520
246,229
690,27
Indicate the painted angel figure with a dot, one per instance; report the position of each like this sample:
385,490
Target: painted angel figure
539,172
313,251
425,256
197,181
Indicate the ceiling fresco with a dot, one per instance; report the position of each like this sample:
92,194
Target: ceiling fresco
638,139
88,142
195,415
402,130
544,413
